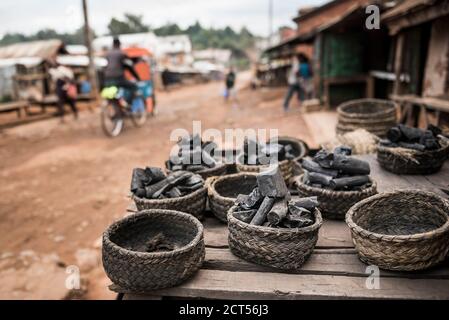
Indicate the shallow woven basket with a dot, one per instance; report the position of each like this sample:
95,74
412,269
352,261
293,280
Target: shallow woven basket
404,230
132,270
334,204
285,249
406,161
193,203
223,191
373,115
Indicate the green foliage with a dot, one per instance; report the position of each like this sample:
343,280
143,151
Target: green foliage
131,24
76,37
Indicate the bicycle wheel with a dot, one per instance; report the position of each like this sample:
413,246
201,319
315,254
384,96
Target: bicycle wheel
111,118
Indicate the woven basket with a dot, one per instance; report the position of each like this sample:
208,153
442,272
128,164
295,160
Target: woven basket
407,161
373,115
285,249
223,191
334,204
193,203
132,270
404,230
285,166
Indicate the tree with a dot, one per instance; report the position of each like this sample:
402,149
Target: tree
131,24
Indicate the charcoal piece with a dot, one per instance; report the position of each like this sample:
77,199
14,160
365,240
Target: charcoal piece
343,150
277,212
350,165
410,134
271,183
159,188
349,182
289,153
174,193
413,146
245,215
298,217
154,174
138,179
317,178
250,201
323,158
195,168
177,167
394,134
189,189
435,130
312,166
429,141
141,193
208,160
261,215
388,143
309,203
193,180
251,146
209,146
159,243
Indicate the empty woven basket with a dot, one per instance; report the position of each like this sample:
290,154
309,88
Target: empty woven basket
279,248
193,203
224,190
131,269
403,230
334,204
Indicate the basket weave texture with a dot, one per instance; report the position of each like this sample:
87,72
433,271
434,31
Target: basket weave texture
223,191
280,248
407,161
334,204
132,270
193,203
405,230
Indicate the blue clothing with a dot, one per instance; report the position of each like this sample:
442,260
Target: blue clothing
304,70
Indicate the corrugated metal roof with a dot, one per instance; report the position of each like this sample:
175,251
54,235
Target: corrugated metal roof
45,49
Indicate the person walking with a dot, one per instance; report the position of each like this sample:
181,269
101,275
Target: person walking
66,90
299,80
230,91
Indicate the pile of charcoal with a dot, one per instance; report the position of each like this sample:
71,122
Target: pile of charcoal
152,183
412,138
271,205
255,153
193,155
336,171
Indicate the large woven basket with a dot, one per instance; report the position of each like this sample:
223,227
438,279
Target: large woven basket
373,115
223,191
407,161
193,203
285,249
133,270
404,230
334,204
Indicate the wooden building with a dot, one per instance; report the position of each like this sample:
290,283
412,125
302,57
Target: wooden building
419,29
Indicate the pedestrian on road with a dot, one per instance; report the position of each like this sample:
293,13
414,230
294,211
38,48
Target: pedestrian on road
299,80
66,89
230,91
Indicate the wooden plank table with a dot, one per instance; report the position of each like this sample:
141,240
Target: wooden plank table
332,272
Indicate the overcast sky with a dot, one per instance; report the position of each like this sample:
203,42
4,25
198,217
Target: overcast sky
28,16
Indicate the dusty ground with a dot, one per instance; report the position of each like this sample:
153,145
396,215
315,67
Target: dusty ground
63,184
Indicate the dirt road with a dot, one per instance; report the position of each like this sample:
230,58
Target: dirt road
63,184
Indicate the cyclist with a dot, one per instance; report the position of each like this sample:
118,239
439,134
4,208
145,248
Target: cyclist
118,62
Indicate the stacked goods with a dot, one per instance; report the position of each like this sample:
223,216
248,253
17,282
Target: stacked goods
337,179
152,183
373,115
410,150
152,249
257,156
180,190
196,156
271,228
223,191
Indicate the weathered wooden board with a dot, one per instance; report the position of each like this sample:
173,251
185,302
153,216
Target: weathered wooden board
217,284
328,261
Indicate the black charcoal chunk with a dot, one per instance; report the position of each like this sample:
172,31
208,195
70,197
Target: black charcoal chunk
312,166
271,183
277,212
138,180
245,215
261,215
348,182
309,203
343,150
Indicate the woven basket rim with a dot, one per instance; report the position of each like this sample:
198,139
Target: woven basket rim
396,238
192,244
211,186
341,107
319,191
389,150
170,200
277,231
304,149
